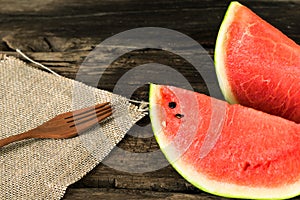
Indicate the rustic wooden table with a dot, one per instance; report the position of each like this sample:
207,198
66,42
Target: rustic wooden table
60,34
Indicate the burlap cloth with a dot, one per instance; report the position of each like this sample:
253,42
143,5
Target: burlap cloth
44,168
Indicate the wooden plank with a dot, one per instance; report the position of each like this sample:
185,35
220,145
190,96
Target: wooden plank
165,179
103,193
68,63
80,25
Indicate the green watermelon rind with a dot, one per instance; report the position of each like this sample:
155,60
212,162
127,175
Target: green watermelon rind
190,174
220,50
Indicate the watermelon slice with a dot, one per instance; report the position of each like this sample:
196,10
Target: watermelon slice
256,159
257,65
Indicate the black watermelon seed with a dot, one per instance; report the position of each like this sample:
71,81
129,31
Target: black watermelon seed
172,105
179,116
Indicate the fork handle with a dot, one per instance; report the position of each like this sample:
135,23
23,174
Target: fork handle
15,138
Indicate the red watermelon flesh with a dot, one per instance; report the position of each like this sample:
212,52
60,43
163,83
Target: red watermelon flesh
256,155
257,65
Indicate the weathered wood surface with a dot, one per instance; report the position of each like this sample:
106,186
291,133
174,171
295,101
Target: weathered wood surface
112,194
72,25
60,34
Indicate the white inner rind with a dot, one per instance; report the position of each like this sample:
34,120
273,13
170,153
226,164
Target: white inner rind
200,180
155,114
220,53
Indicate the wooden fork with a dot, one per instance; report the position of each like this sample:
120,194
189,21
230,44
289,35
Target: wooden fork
65,125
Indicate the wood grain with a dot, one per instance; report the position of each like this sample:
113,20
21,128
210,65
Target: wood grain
104,193
74,25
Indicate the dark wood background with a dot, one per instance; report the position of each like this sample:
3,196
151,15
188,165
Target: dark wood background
60,34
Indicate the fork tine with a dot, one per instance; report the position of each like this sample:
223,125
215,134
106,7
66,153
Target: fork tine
82,116
90,119
86,110
94,120
90,123
90,115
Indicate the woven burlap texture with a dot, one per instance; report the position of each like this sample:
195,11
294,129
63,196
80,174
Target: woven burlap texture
44,168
